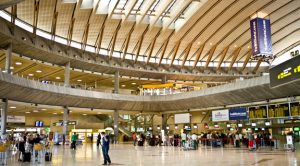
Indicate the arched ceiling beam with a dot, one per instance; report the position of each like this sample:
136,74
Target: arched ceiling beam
163,5
224,52
127,42
35,15
86,32
114,39
71,25
234,57
100,36
128,8
140,44
54,21
178,9
144,10
249,54
210,54
152,46
187,52
257,66
164,48
200,50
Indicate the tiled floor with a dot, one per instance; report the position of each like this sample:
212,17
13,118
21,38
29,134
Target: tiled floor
125,154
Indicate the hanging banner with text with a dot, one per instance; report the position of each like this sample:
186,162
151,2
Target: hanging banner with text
261,37
238,114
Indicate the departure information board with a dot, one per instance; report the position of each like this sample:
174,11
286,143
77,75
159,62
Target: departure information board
295,109
286,72
280,110
258,112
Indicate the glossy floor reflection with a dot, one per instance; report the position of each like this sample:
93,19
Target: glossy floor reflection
125,154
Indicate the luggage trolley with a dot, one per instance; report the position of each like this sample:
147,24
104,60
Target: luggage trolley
289,146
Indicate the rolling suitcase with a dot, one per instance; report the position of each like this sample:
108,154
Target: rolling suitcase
48,156
27,157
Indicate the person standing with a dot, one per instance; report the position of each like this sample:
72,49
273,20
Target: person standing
73,139
98,139
105,148
195,141
134,138
183,139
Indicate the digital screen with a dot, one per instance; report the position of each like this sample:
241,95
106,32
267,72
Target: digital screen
253,124
296,129
39,124
258,112
285,73
240,125
267,123
182,118
279,110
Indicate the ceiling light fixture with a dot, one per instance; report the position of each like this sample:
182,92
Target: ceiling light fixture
11,67
54,113
58,78
38,71
30,74
133,83
123,85
79,80
12,107
18,63
84,114
43,109
35,111
27,112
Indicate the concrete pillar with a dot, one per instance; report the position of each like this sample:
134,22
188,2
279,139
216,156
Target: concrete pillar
117,82
4,116
116,125
65,120
164,122
164,79
67,75
8,59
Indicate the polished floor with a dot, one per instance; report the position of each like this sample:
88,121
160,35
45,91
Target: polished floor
127,154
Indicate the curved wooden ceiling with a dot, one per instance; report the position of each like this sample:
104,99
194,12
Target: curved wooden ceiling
216,32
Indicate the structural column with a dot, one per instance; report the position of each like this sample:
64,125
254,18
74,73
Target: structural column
8,59
4,116
164,79
117,82
67,74
65,120
164,122
116,125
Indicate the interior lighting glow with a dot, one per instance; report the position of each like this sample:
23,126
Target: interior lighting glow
12,107
18,63
38,71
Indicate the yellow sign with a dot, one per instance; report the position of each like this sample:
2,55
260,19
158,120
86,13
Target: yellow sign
158,86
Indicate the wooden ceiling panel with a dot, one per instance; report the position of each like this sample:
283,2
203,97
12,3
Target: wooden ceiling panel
46,9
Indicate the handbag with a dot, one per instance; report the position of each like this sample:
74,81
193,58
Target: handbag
37,147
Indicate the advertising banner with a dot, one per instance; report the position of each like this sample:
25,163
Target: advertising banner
238,114
286,72
221,115
15,119
261,37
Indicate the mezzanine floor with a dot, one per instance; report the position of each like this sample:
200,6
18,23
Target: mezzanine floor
127,154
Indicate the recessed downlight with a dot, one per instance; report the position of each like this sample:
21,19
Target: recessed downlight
79,80
38,71
12,107
30,74
27,112
58,78
133,83
123,85
84,114
35,111
54,113
18,63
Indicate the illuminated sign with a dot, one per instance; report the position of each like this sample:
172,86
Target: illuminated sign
285,73
258,112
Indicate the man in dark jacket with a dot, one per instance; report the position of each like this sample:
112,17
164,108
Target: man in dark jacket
105,148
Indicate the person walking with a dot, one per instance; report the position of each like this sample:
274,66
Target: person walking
73,139
105,148
134,137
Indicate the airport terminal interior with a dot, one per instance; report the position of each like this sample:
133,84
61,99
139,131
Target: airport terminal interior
150,82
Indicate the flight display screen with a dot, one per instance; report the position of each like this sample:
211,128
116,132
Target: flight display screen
286,72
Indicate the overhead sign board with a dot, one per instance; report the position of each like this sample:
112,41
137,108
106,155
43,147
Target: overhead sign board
238,114
182,118
221,115
15,119
285,73
261,37
60,123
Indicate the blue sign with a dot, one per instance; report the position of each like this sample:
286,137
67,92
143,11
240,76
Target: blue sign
238,114
261,37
